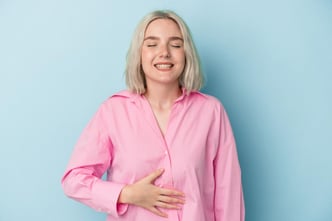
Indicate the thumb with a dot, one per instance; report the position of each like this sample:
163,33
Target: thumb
153,176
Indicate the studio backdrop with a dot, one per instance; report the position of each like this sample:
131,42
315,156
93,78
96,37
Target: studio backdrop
268,61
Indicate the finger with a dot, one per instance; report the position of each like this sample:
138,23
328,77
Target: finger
168,199
168,192
167,205
158,212
153,176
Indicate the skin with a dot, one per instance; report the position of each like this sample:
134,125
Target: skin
163,57
163,61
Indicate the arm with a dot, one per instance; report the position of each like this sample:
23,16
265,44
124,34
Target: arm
229,203
89,161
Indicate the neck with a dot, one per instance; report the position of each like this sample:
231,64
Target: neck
162,96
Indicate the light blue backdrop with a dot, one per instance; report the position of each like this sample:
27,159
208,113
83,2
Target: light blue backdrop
270,62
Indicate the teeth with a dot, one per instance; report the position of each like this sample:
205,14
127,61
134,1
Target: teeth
163,66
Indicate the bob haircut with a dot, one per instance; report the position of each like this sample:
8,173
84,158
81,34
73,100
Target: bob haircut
191,79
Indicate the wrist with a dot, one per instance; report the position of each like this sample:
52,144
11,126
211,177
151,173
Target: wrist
125,195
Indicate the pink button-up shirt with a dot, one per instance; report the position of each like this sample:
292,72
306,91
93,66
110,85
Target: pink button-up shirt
197,152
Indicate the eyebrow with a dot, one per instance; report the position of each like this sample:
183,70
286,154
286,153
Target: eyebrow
156,38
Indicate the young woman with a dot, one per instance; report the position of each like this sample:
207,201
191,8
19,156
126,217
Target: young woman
168,149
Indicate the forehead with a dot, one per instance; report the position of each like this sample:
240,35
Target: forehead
163,27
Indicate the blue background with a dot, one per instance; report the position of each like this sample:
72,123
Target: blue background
268,61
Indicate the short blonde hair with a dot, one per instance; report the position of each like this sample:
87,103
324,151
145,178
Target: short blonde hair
191,78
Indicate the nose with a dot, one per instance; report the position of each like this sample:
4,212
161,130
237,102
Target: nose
164,51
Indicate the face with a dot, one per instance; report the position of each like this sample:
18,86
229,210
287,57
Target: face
163,57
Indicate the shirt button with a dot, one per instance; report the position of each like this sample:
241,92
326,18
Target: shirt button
166,153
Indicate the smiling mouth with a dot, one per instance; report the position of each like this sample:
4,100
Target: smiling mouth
163,66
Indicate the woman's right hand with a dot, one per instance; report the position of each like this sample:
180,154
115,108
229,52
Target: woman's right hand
145,194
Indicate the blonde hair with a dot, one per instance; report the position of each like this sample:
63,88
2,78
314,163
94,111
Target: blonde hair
191,78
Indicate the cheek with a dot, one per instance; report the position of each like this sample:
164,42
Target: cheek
180,55
146,55
146,60
182,59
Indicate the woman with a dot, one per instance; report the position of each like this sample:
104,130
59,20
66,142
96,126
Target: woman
168,149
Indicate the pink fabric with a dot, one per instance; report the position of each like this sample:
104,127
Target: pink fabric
198,154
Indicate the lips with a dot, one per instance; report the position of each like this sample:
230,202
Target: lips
164,66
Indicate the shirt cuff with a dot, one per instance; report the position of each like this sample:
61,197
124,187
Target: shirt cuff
107,194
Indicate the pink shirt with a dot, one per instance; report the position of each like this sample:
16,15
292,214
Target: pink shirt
198,154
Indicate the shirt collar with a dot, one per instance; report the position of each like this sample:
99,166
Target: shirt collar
133,97
127,94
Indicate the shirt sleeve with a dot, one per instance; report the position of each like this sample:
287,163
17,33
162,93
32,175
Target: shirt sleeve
90,159
229,203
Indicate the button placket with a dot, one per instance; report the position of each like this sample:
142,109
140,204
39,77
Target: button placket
167,156
167,175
